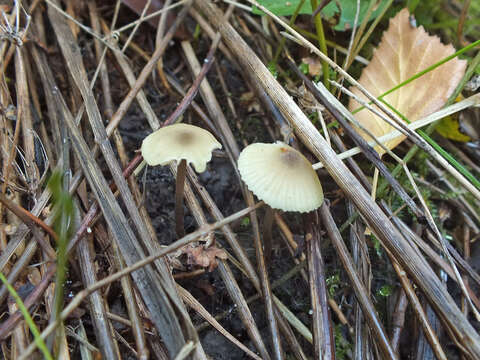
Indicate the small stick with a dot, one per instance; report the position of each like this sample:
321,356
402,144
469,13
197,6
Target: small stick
162,22
85,255
398,319
417,307
374,184
27,217
192,92
24,107
137,25
19,336
267,232
466,253
324,343
461,22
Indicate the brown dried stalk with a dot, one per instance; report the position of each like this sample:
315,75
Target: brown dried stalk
322,326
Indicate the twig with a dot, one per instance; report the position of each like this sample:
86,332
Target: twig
322,327
29,219
135,28
352,37
192,92
103,328
427,330
398,319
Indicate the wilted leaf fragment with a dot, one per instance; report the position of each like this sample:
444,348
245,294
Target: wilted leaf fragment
404,51
198,255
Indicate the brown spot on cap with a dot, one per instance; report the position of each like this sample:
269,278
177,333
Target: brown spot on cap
180,142
185,137
289,157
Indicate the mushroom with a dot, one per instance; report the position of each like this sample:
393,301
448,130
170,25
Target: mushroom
181,143
282,177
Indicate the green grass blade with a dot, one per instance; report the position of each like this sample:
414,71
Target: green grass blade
321,43
449,157
445,154
28,319
63,205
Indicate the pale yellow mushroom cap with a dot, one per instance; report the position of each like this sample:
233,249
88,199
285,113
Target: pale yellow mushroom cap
281,176
178,142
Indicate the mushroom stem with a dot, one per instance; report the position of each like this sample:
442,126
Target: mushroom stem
179,190
267,232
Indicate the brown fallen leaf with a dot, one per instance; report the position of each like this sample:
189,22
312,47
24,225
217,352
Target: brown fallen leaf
198,255
404,51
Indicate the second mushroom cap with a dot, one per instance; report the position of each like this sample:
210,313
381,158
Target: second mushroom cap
281,176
